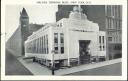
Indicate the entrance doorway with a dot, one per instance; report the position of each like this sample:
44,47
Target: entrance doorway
83,51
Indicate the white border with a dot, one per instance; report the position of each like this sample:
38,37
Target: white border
93,2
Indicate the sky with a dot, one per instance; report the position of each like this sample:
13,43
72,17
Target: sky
39,14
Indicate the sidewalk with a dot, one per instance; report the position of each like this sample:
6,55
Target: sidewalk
34,67
88,67
38,69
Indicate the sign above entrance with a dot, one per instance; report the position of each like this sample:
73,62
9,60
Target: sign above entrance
80,30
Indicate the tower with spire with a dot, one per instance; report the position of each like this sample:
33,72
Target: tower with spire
24,26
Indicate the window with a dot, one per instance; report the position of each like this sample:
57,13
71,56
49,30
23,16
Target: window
100,48
109,38
47,43
56,43
56,50
62,50
120,24
103,38
110,23
62,37
99,39
117,47
55,37
62,43
103,48
113,10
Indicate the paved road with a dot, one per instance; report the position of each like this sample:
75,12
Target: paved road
14,67
109,70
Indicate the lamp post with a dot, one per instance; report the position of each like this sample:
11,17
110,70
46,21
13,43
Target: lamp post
53,66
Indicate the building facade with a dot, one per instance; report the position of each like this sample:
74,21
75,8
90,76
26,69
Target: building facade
68,42
109,19
113,20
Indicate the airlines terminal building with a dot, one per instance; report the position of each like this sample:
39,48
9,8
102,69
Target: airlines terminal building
68,42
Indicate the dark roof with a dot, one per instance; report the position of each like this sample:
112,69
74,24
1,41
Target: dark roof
34,27
24,13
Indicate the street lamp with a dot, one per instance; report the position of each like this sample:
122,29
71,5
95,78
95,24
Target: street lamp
53,66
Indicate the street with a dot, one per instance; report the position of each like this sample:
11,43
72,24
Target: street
109,70
14,67
18,66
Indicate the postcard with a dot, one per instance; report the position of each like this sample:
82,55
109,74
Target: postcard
64,40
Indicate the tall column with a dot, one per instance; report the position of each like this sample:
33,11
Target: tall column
42,44
36,45
25,47
67,34
39,44
46,43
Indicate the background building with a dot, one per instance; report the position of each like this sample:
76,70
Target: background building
16,41
109,19
113,26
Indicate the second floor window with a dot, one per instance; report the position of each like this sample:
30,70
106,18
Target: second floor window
55,37
109,38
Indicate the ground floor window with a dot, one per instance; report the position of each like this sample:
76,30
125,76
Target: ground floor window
62,50
56,50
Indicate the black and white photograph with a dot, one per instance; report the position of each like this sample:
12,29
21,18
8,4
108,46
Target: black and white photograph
69,40
66,80
64,39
